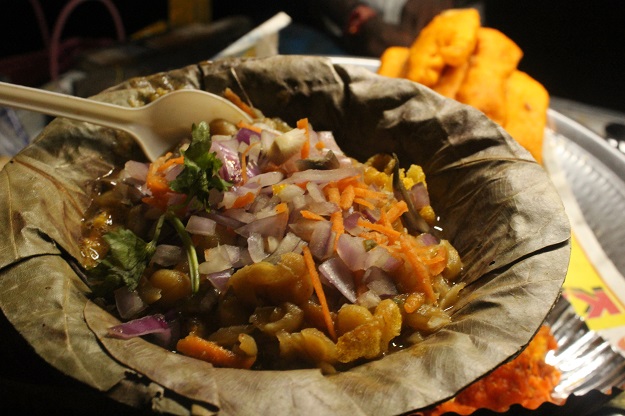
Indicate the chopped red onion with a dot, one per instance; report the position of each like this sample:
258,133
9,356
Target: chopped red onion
136,172
419,195
173,171
219,258
128,302
322,176
256,247
338,274
219,280
322,240
315,192
240,214
350,223
221,219
379,282
289,192
352,251
427,239
150,324
231,168
382,258
271,226
244,135
267,178
289,244
167,255
323,208
303,228
200,225
368,299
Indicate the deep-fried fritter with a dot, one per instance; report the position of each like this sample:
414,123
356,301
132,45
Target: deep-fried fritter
393,61
496,56
449,39
527,102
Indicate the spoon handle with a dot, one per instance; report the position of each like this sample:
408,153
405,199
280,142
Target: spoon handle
62,105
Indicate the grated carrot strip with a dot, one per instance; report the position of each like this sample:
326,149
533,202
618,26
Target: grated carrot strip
333,194
244,200
421,272
368,193
281,207
347,198
173,161
236,100
337,225
243,125
396,211
320,146
309,215
364,203
244,162
314,276
379,228
350,180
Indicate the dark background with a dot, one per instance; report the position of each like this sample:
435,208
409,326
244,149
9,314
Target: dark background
575,48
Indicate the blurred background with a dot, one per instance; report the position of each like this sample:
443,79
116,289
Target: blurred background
83,46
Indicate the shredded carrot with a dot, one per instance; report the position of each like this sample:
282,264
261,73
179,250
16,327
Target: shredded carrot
173,161
396,211
236,100
438,262
303,124
243,125
350,180
314,276
384,219
200,348
244,161
244,200
421,272
157,183
379,228
347,198
337,225
309,215
364,203
368,193
333,194
282,207
320,145
379,239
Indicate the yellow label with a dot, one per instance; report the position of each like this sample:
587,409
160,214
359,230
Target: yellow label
589,294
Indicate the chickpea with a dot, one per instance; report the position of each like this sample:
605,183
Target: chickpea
222,127
265,283
174,285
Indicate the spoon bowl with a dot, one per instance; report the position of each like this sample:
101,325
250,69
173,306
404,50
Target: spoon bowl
157,127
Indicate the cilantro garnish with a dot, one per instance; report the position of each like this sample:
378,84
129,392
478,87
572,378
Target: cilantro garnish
201,168
126,260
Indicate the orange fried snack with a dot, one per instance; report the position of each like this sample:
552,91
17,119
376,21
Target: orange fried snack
527,102
393,61
484,87
527,380
451,79
449,39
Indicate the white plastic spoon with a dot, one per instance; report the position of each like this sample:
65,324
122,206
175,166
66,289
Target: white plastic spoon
157,126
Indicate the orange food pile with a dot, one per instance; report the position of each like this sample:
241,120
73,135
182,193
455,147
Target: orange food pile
527,380
457,57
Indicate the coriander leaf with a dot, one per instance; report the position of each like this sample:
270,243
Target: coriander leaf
126,260
201,168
